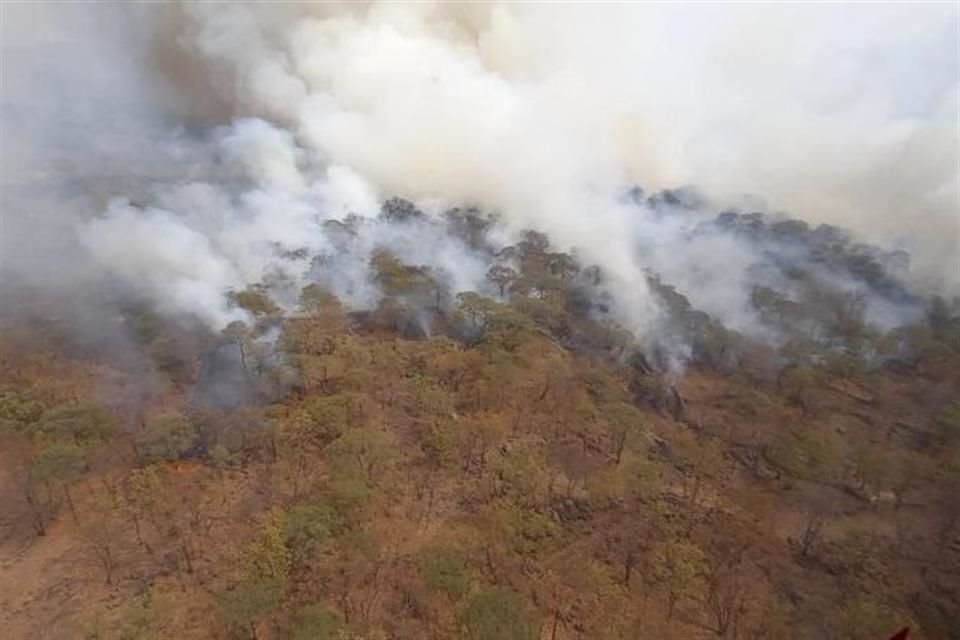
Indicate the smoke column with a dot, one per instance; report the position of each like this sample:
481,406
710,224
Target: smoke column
169,150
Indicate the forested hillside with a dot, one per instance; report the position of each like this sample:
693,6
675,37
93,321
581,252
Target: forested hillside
509,464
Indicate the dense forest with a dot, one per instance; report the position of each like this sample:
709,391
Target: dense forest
505,464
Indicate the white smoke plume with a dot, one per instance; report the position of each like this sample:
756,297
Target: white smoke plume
179,146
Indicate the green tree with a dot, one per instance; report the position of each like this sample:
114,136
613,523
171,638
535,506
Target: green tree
364,454
243,336
497,614
18,412
248,603
562,265
508,330
439,443
523,473
166,437
632,478
479,435
315,622
99,532
399,210
316,332
83,423
624,422
329,417
502,276
798,385
808,453
533,244
315,299
580,595
444,569
60,463
268,557
309,528
475,310
141,493
254,299
677,567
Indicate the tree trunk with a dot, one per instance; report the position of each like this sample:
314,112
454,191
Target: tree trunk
139,532
185,552
488,557
38,520
621,444
243,357
809,536
628,569
301,464
698,481
106,559
73,508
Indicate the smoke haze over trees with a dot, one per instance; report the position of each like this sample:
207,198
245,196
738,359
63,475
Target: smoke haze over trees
197,148
369,321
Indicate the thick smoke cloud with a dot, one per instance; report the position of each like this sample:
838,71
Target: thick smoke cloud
183,151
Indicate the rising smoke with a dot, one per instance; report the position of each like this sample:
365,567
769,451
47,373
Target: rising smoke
176,152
